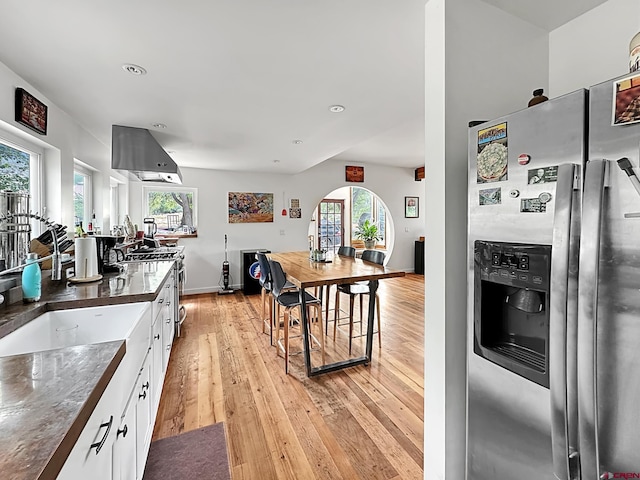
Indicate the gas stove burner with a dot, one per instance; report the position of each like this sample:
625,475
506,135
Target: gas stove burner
160,253
142,250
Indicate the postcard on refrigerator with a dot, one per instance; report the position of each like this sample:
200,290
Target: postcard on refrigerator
493,154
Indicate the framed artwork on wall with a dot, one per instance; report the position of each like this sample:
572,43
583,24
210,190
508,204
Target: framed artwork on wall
249,207
354,174
411,207
30,111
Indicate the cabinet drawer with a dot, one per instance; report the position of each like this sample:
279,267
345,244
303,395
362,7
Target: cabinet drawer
158,303
91,457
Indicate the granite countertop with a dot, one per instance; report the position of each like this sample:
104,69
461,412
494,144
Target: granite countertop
47,397
138,282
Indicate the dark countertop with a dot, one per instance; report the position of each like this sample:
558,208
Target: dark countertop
47,397
139,282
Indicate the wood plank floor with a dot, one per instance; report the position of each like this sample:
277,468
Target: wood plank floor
364,422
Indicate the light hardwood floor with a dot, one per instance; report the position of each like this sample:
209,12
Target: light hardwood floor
364,422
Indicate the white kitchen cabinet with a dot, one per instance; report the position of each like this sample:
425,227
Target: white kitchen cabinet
144,421
121,425
92,455
170,311
168,326
124,448
157,372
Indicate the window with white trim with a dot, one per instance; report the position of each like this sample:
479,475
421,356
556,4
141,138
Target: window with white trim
365,205
174,209
82,195
20,171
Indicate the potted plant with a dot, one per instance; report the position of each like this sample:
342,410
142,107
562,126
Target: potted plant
368,232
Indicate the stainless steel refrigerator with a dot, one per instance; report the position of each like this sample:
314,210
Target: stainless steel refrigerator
554,290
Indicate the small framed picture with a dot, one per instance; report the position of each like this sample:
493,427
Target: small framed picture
411,207
354,174
30,111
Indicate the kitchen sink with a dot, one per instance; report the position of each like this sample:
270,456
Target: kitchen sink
80,326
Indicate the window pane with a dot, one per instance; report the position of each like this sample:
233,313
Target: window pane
14,169
173,210
382,224
20,172
79,196
330,226
366,206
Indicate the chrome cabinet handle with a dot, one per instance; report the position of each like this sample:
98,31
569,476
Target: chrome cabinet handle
142,395
145,385
161,300
98,445
123,432
157,336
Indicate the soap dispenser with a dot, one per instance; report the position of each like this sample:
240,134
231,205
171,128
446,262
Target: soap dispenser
31,279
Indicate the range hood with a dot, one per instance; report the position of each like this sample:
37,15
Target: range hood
139,156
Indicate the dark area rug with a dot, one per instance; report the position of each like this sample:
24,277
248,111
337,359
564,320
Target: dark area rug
199,454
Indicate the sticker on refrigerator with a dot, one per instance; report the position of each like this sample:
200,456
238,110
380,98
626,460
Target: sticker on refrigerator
542,175
493,154
532,205
491,196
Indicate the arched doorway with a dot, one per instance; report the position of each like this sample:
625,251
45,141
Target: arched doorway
336,219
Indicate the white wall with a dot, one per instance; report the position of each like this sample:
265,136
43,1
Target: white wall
483,63
65,140
592,48
204,255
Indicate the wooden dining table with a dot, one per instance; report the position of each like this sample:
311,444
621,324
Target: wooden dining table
305,273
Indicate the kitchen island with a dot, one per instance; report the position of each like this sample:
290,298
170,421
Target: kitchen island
46,397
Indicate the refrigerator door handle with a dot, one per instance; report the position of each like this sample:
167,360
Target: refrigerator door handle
560,267
592,208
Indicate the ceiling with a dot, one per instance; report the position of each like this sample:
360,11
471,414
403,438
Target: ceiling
546,14
236,82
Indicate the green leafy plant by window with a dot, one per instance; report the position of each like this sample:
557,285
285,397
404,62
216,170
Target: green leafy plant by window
367,232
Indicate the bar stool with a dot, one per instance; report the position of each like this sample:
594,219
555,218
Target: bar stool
344,251
358,289
290,299
265,282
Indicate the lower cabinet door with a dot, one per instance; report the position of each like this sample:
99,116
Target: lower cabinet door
156,364
92,455
144,425
124,448
168,326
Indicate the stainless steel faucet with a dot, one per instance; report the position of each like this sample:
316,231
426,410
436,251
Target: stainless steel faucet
56,263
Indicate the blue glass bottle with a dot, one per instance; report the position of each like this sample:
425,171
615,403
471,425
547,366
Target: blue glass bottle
31,280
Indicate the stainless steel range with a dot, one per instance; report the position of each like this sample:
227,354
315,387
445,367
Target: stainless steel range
154,254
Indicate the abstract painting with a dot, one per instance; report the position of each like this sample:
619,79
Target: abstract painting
247,207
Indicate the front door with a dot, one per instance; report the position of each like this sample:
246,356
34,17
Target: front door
330,224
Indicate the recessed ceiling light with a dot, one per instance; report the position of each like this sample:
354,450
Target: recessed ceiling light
297,142
276,161
158,125
134,69
336,108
